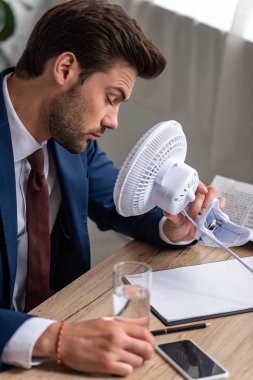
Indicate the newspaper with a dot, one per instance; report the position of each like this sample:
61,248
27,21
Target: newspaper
239,200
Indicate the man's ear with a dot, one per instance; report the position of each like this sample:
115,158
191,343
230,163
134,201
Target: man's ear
66,69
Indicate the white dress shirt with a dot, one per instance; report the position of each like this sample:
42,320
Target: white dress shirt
19,348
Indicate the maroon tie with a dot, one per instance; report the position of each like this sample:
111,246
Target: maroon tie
38,262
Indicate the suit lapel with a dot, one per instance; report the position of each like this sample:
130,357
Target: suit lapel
8,207
74,188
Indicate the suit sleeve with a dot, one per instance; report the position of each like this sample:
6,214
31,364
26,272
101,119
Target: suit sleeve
10,321
19,349
102,176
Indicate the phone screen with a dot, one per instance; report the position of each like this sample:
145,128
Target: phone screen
191,359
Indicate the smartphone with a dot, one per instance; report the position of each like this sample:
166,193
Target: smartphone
191,361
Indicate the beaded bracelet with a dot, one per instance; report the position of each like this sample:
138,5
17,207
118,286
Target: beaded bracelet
58,343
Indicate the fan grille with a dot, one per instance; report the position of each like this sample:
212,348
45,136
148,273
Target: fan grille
136,177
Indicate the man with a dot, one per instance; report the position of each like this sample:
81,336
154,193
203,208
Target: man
79,65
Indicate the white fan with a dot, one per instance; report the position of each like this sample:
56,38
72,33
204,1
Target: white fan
154,174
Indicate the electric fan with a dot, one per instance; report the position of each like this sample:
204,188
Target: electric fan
154,174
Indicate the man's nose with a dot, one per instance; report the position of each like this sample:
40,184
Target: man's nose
110,120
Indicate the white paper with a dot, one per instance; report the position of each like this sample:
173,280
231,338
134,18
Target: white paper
239,200
202,291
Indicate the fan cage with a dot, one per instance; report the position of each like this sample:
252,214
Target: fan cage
137,174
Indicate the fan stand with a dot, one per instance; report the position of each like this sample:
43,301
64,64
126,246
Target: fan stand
216,241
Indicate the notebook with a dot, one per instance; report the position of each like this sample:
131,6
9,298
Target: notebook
202,291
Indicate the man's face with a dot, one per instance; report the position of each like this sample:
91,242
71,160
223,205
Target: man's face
83,112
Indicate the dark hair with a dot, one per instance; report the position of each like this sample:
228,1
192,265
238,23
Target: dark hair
97,33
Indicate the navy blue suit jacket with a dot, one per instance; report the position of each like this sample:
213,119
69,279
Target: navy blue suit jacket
86,182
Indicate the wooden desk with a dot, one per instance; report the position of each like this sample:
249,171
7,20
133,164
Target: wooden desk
229,339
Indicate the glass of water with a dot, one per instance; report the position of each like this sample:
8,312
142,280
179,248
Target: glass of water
131,291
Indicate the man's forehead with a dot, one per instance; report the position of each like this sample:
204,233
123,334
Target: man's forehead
122,75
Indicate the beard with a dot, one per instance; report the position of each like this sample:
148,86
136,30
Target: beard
65,121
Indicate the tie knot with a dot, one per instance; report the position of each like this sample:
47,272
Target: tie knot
36,160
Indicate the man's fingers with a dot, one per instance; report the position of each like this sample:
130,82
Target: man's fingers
197,206
142,334
202,188
131,358
138,340
212,193
143,349
120,369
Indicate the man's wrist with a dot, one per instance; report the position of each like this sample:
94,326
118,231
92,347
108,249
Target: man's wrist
166,239
46,344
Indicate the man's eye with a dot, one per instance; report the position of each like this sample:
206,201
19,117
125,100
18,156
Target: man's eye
110,101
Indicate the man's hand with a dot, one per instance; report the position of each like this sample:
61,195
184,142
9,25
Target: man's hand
177,227
102,345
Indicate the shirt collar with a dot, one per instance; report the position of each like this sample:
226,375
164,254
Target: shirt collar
23,142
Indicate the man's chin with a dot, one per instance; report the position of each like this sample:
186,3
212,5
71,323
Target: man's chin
75,149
